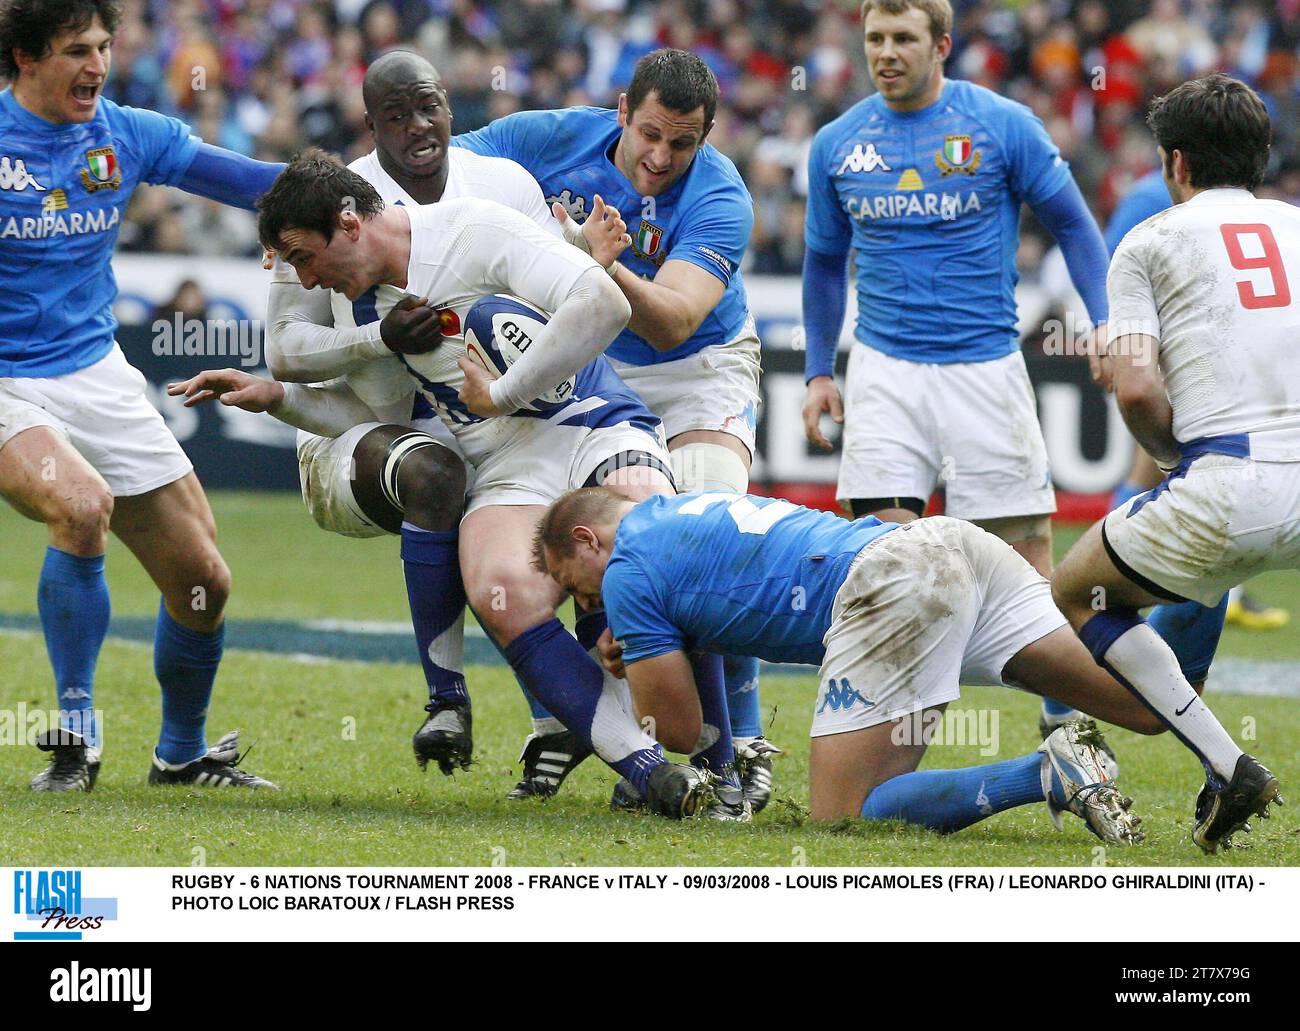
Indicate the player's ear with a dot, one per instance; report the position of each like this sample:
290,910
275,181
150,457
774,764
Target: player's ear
944,46
622,110
349,222
584,535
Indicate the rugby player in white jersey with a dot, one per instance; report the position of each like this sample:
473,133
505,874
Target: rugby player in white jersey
333,227
1204,324
391,475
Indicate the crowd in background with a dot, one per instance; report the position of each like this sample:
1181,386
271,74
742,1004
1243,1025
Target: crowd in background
266,77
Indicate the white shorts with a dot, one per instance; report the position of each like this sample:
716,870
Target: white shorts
540,461
1197,535
105,414
716,388
934,604
971,427
326,470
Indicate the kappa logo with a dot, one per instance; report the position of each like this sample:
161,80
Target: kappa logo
575,206
862,159
14,176
842,695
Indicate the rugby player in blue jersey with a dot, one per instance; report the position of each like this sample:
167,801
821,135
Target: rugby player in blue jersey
691,349
81,448
895,615
923,182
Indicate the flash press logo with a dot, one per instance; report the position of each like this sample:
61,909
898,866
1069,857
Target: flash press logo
75,983
54,899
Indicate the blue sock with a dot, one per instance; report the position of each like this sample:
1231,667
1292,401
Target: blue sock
720,756
535,708
72,598
948,800
741,673
431,562
1126,491
558,670
1192,630
1051,707
185,662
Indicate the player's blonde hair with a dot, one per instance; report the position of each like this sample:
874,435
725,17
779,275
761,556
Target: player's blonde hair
938,11
586,506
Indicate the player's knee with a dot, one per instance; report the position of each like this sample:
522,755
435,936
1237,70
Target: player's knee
432,485
507,602
205,588
703,466
80,521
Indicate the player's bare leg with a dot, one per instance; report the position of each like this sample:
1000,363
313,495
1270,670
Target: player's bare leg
171,531
47,480
845,768
410,485
1101,603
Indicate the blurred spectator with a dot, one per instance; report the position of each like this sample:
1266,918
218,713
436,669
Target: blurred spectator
267,77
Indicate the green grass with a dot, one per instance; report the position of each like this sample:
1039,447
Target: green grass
358,798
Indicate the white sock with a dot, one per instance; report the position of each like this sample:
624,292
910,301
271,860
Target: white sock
1142,658
547,725
615,731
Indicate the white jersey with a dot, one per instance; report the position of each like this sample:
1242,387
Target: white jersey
462,250
384,383
1216,280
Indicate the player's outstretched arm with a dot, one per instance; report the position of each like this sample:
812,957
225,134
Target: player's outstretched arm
222,175
825,278
325,410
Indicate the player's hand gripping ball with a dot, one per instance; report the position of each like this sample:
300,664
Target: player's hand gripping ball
499,329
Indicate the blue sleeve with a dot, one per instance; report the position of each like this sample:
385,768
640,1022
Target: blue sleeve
520,137
1068,219
715,232
1037,170
230,178
636,619
165,145
825,279
826,226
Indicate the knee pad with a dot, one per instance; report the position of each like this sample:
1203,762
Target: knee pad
703,466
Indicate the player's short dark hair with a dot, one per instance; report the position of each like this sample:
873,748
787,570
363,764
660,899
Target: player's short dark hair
1220,125
680,80
310,194
31,25
939,12
585,506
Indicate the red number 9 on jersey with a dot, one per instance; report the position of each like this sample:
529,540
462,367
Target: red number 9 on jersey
1271,259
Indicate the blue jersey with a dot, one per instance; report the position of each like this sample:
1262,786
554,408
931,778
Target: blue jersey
929,201
1146,197
731,574
63,191
705,218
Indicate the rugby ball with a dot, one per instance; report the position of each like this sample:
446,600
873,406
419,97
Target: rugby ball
499,329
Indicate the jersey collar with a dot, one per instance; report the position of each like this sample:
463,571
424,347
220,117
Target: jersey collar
921,113
1219,194
10,106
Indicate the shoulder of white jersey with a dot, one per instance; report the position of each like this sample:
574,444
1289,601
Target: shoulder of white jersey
492,178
